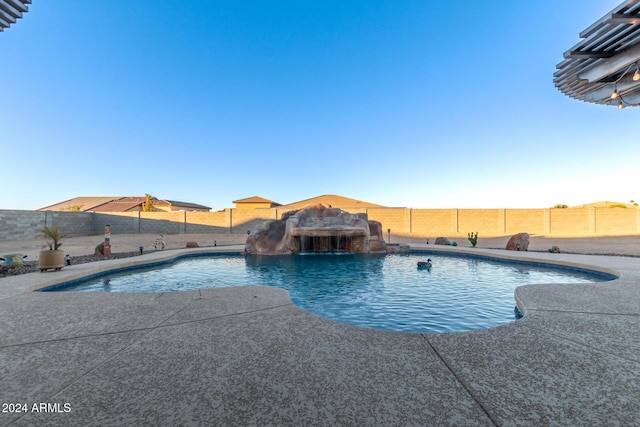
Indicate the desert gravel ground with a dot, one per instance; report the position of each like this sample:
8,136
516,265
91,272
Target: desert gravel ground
85,245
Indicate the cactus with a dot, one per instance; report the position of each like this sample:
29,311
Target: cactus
473,238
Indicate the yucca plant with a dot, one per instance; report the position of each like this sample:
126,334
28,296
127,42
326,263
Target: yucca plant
53,236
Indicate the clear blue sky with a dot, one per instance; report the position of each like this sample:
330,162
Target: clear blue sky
424,104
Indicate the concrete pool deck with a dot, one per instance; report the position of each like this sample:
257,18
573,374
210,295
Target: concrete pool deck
248,356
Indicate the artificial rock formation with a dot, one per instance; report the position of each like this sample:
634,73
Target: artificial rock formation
518,242
317,229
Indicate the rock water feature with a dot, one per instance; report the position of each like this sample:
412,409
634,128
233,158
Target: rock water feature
317,229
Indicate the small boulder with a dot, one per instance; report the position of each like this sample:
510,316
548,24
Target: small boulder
192,245
518,242
442,241
99,249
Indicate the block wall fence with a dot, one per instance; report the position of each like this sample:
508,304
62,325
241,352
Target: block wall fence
592,221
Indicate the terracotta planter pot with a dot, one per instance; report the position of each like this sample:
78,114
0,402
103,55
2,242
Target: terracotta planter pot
51,260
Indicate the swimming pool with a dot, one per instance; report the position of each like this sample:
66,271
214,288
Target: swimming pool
378,291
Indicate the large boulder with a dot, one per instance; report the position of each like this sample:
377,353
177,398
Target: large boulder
518,242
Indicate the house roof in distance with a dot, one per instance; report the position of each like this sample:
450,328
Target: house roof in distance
116,204
186,205
256,199
123,204
83,204
332,200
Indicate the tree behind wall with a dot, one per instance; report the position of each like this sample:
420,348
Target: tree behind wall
148,205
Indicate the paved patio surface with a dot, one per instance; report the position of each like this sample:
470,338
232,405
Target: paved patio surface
248,356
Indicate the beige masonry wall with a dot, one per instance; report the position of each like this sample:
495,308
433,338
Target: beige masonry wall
208,222
391,218
16,224
531,220
499,222
616,221
444,220
570,221
250,219
484,221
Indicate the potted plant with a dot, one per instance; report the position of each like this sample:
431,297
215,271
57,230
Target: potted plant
53,258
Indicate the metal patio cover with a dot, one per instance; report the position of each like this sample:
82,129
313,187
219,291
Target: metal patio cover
12,10
605,60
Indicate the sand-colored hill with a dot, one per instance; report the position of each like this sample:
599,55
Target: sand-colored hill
608,204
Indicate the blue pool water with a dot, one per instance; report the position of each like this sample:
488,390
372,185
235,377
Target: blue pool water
378,291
